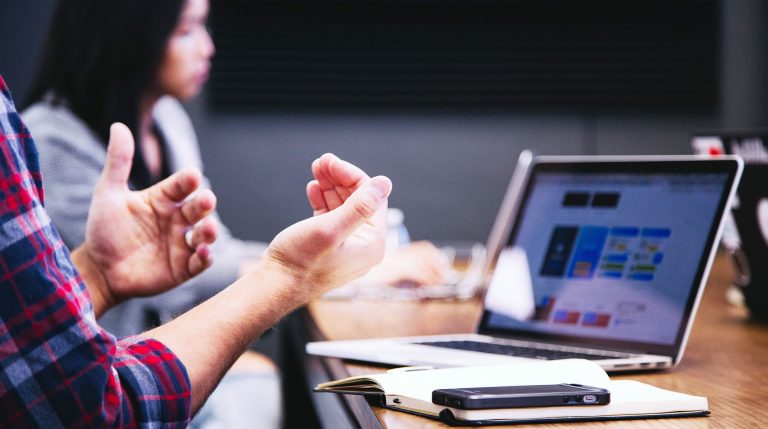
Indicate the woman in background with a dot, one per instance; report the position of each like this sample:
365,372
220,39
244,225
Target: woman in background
129,62
132,62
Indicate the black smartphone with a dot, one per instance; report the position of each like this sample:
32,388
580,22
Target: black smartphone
545,395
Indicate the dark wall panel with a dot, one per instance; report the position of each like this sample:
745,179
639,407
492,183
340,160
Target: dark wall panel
546,54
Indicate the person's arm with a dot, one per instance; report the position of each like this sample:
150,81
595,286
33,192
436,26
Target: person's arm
342,242
61,369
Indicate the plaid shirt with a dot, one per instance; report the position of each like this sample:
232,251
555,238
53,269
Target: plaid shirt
58,368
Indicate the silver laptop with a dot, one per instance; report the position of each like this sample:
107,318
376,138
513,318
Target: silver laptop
602,258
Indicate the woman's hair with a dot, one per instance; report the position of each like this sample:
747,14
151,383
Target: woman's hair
100,56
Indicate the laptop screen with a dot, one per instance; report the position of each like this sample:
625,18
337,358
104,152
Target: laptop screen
608,253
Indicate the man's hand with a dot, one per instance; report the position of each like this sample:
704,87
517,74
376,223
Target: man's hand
343,241
419,262
346,236
335,180
141,243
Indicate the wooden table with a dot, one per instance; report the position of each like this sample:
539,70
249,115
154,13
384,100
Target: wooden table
726,359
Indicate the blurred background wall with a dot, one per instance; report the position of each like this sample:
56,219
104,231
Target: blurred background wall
442,95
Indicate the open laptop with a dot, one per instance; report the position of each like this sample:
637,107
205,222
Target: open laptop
604,258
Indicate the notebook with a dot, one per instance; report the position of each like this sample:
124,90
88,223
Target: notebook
411,391
602,258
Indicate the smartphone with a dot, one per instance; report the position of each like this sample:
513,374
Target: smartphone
545,395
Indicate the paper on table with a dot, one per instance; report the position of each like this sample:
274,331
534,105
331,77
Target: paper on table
511,290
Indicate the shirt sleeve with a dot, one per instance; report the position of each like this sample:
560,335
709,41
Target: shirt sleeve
59,368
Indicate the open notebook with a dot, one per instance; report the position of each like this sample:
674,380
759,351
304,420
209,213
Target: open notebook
411,391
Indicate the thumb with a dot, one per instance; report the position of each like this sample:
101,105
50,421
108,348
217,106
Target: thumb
360,207
117,167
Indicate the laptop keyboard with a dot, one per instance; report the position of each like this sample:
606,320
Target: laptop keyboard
519,351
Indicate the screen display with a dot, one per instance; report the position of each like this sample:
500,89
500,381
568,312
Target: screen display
606,255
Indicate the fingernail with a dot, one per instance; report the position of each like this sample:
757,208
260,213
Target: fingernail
382,185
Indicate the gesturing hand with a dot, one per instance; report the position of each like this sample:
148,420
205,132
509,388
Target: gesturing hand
135,240
346,236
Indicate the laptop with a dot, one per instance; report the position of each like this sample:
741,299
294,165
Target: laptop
602,258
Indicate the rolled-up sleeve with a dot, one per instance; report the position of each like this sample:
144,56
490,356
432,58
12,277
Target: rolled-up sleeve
155,381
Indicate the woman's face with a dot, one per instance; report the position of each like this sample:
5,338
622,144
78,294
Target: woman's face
188,53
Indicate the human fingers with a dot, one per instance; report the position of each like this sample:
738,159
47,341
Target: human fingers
117,166
179,185
419,262
435,263
360,207
201,259
433,274
204,233
419,273
316,172
343,173
320,172
323,193
333,172
422,278
429,255
316,199
332,199
198,207
337,178
348,177
325,196
405,272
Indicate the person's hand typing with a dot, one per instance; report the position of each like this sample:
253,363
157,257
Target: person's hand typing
419,263
141,243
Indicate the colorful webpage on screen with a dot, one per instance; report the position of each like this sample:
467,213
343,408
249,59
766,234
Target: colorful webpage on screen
610,256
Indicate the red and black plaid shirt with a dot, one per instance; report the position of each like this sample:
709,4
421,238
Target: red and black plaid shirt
58,368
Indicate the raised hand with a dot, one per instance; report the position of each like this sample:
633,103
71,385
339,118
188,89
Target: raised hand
335,180
345,238
145,242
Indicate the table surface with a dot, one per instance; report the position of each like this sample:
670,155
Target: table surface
726,359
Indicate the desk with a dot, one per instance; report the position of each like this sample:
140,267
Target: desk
726,359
